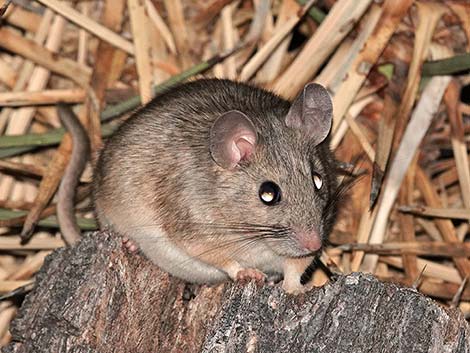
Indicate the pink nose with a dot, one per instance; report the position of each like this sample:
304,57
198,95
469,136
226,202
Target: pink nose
309,240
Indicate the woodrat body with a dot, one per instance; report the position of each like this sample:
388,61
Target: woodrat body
214,178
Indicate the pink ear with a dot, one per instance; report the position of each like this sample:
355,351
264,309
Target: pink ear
232,139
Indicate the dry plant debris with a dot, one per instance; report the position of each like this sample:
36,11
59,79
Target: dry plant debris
398,72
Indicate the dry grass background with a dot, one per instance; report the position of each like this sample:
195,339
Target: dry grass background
396,113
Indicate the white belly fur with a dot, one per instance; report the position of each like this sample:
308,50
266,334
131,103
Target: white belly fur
157,246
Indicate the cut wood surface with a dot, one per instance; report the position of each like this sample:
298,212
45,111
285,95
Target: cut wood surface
96,297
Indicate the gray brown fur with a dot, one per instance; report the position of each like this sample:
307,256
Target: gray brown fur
155,180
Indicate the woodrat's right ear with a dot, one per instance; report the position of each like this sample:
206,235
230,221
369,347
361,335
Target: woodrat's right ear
312,113
232,139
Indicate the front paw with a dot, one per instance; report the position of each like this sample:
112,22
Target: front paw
293,286
293,270
248,274
130,245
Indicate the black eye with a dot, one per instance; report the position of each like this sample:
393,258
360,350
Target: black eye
269,193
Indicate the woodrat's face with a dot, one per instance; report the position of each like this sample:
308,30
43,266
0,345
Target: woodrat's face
282,197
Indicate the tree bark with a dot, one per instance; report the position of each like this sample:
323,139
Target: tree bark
96,297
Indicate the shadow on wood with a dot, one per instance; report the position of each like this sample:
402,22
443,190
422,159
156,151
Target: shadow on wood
95,297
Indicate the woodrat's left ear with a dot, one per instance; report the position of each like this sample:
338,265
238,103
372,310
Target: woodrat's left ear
312,113
233,139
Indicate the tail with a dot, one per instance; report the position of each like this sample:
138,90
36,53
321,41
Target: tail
68,186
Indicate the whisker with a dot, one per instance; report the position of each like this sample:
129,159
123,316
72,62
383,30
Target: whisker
243,244
230,226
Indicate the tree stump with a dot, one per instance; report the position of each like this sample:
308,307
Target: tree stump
96,297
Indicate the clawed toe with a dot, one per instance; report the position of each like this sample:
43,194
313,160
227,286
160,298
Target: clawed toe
130,245
248,274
